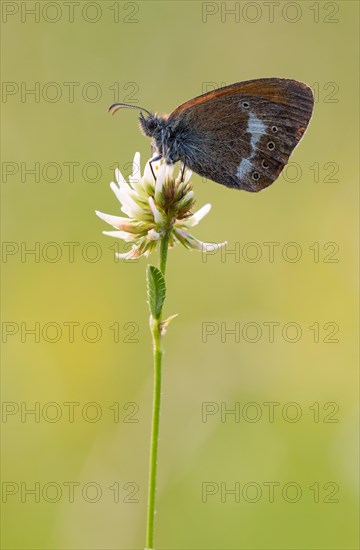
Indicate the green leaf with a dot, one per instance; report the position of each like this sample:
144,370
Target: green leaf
156,290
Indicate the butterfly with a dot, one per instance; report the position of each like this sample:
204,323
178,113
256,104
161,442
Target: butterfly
240,135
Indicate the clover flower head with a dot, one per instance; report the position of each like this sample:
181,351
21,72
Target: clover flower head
154,208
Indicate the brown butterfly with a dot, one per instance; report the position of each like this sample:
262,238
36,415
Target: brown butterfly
241,135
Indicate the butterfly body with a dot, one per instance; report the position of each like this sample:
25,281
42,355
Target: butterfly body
241,135
166,143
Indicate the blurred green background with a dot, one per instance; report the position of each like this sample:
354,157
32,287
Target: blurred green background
86,444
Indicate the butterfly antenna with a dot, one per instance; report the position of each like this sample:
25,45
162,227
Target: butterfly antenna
116,106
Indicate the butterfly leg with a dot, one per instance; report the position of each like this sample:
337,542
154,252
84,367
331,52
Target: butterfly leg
182,172
152,169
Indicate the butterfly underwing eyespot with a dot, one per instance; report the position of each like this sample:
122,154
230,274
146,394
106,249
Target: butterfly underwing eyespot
225,134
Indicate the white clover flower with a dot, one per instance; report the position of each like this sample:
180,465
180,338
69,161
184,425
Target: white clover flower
154,208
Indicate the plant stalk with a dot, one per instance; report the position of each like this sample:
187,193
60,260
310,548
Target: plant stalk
154,441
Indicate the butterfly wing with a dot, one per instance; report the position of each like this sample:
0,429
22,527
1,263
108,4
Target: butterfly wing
243,135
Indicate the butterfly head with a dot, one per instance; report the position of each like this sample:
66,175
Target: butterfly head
152,125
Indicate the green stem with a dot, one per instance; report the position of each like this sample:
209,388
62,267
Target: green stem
154,442
164,245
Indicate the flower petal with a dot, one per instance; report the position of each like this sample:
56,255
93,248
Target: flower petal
153,235
189,241
115,221
136,172
186,201
210,247
122,183
188,174
124,235
116,190
169,171
130,207
198,216
133,254
158,217
159,184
